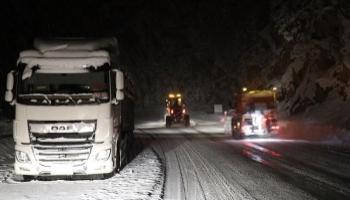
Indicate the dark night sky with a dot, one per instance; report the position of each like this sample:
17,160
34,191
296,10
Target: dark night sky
206,49
166,36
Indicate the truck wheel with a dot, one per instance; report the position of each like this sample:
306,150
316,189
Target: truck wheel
122,157
234,130
130,153
109,175
187,120
117,160
237,135
168,121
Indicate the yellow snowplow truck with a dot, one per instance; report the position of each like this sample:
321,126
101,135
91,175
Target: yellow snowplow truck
176,111
255,113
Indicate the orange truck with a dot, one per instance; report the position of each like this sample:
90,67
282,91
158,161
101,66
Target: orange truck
176,111
255,113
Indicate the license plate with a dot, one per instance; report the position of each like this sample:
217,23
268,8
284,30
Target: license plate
61,170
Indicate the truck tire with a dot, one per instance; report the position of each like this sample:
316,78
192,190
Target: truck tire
109,175
130,145
238,136
122,153
187,120
168,121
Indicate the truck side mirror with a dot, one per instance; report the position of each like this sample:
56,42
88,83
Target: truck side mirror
120,95
9,87
119,81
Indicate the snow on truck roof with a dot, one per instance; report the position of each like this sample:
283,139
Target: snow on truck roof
258,94
44,45
69,56
63,54
64,61
61,65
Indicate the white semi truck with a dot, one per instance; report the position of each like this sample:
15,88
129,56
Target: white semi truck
73,109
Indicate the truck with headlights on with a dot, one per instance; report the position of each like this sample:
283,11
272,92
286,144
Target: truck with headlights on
73,108
176,111
255,113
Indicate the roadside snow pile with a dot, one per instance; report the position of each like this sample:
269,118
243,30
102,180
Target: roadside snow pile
309,130
141,179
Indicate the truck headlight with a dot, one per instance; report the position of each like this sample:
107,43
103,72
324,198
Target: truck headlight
103,155
22,157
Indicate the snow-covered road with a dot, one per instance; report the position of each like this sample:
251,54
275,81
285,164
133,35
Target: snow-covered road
201,162
204,163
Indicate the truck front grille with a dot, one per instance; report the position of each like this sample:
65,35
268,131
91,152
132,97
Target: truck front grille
61,148
61,153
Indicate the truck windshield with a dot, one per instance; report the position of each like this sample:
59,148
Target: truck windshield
65,88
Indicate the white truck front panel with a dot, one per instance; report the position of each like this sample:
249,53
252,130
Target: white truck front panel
63,152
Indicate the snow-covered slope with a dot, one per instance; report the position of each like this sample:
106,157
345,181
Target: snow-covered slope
305,51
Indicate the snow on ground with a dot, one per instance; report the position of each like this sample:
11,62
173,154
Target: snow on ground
200,123
301,129
214,166
140,179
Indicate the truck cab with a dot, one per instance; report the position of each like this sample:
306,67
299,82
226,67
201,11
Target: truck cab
73,109
176,111
255,113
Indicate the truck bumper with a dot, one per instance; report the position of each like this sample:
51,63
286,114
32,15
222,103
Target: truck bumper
89,167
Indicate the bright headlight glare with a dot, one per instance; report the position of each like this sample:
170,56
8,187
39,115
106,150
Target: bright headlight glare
22,157
103,155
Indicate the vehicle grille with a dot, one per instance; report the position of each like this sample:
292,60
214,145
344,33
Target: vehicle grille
62,148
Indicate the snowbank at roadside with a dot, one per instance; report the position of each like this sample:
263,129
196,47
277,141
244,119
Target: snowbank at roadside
141,179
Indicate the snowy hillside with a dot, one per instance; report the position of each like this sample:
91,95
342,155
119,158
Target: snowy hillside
305,51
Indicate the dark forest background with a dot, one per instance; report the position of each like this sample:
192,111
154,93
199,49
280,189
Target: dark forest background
207,49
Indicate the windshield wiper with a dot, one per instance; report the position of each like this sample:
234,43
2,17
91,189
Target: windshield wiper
67,96
90,97
37,95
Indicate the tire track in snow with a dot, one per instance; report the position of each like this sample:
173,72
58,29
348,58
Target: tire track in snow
218,186
246,177
310,178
